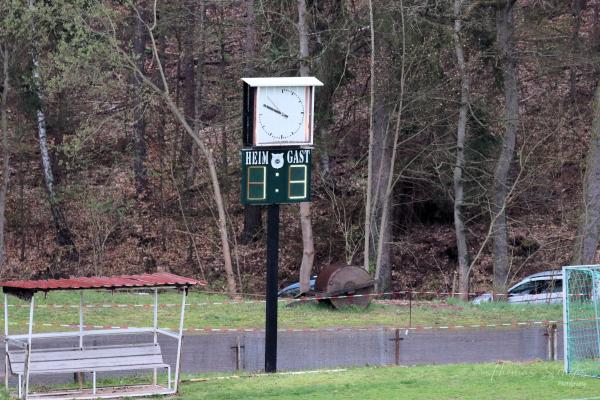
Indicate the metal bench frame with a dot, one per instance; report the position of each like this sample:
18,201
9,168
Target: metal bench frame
74,364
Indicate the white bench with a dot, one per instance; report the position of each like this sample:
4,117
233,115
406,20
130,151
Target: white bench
90,359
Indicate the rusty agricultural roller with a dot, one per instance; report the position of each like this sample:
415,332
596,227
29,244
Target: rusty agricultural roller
344,280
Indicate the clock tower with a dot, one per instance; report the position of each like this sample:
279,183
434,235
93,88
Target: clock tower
278,125
276,166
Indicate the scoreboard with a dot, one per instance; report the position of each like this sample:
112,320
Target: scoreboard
276,176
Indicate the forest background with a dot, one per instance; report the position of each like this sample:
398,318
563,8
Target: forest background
462,135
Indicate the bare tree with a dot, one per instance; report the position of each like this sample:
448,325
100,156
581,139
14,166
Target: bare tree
459,165
5,54
164,93
381,143
63,232
586,241
64,236
382,265
578,7
190,85
308,245
139,105
368,200
505,27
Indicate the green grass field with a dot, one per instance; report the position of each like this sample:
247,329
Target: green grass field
202,313
541,380
502,380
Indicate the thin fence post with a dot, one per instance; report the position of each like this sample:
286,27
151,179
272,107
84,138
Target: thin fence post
155,329
552,341
78,376
549,347
6,366
28,353
555,341
410,308
452,294
397,345
180,340
238,353
565,301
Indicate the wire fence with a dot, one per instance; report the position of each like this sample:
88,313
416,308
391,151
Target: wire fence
391,295
400,327
411,310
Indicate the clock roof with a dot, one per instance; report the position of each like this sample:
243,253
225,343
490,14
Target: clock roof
284,81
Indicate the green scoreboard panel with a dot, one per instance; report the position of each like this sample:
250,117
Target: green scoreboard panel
276,176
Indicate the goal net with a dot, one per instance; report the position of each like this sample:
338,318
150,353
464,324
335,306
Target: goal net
581,309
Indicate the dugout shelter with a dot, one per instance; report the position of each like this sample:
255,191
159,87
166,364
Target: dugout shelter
25,356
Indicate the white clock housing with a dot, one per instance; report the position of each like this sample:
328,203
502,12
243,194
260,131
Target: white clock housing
279,111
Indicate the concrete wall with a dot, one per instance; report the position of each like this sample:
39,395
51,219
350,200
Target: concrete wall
216,352
329,349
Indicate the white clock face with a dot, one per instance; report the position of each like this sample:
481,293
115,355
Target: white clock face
281,114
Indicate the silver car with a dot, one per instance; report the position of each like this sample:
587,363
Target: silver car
541,288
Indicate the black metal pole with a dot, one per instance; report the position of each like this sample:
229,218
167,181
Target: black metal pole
271,305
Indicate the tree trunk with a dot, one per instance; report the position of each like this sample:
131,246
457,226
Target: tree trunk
308,245
382,177
578,6
64,236
330,67
385,178
5,53
586,241
381,162
196,82
139,105
162,51
252,224
252,213
459,165
224,167
22,216
303,39
508,63
189,82
368,200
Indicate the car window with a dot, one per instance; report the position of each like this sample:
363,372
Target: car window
538,287
525,288
541,287
556,286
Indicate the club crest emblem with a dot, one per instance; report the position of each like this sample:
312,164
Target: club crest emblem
276,160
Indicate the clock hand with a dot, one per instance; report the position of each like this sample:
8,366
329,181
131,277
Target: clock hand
275,105
275,111
272,102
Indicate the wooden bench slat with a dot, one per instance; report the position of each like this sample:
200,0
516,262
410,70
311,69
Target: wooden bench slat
71,354
98,369
89,347
90,359
87,364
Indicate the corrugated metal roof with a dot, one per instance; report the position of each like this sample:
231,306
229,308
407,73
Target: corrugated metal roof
101,282
284,81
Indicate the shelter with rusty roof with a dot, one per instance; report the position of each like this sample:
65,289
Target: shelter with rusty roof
24,359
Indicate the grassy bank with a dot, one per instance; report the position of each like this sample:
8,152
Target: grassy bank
541,380
204,313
